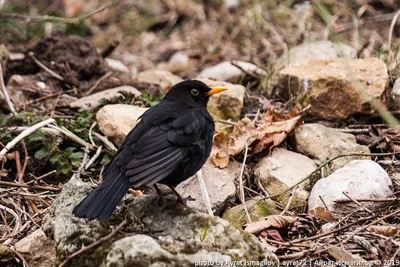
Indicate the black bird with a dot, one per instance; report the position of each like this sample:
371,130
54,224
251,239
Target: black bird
170,143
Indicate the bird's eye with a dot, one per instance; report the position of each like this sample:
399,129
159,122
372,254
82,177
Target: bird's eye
195,92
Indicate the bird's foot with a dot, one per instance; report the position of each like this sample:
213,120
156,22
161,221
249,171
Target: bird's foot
180,199
161,199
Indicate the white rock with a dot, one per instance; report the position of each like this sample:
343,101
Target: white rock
395,95
228,104
115,121
38,249
323,50
283,169
358,179
225,71
231,4
94,100
322,143
179,58
219,183
116,65
163,78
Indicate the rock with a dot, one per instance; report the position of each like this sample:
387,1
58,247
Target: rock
115,121
20,88
329,86
68,231
136,63
283,169
257,208
322,143
179,58
232,4
116,65
178,235
220,187
228,104
163,78
37,249
323,50
358,179
94,100
394,97
225,71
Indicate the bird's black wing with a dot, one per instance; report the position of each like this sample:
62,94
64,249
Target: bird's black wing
160,150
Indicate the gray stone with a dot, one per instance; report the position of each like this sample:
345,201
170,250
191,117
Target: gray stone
94,100
116,121
219,183
225,71
358,179
163,78
283,169
38,249
323,50
116,65
68,231
338,88
322,143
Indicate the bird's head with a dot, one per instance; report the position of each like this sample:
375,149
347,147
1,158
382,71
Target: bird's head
192,93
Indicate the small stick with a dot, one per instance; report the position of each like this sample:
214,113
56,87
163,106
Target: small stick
24,134
47,97
288,203
109,49
84,160
30,186
94,86
90,133
5,92
357,203
394,20
241,189
21,176
252,74
367,200
20,256
41,65
94,244
106,142
204,191
227,122
394,213
98,152
72,136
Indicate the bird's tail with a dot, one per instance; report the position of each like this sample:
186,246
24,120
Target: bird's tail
101,202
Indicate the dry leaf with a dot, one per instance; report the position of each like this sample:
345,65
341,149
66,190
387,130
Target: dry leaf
322,213
272,221
345,256
219,154
386,230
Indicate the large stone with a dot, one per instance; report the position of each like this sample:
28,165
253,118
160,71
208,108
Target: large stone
68,231
322,143
116,121
220,187
336,89
116,65
163,78
166,235
228,104
257,208
225,71
38,249
323,50
358,179
94,100
283,169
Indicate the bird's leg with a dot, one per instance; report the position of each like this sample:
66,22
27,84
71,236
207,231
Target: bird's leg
180,199
161,199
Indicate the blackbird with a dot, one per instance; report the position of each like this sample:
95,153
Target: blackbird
170,143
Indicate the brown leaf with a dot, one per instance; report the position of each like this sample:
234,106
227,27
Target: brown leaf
272,221
322,213
219,154
386,230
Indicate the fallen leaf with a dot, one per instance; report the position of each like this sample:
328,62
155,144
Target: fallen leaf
272,221
386,230
322,213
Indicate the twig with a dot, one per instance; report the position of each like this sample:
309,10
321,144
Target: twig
367,200
5,92
394,213
98,152
106,142
24,134
84,160
30,186
109,49
90,133
17,224
94,244
94,86
389,162
241,189
252,74
357,203
72,136
46,97
41,65
394,20
20,256
288,203
75,20
227,122
204,191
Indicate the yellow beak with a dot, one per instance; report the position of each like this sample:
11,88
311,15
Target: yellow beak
216,90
